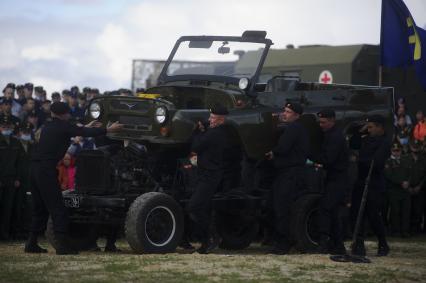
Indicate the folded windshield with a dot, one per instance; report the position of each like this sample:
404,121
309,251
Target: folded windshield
217,58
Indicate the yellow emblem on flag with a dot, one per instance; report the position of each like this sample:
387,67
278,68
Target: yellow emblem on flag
415,39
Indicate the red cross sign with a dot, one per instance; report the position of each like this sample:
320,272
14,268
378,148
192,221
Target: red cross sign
325,77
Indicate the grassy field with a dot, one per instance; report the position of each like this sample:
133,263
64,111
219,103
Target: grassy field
406,263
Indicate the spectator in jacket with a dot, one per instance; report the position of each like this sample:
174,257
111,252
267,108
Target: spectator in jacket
419,131
66,173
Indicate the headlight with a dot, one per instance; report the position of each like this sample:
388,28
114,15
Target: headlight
160,115
95,110
243,83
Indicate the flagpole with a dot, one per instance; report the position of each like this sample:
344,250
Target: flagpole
381,46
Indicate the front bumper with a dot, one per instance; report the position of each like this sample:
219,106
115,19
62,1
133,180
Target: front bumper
73,200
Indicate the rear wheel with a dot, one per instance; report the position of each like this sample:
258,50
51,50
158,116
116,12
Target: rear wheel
154,224
304,223
82,236
237,229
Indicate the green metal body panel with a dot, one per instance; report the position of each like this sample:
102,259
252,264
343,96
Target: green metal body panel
254,113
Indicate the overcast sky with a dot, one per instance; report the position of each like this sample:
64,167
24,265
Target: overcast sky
60,43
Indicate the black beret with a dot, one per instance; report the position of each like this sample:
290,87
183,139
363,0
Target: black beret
296,107
326,113
56,94
9,85
29,86
219,109
376,119
59,108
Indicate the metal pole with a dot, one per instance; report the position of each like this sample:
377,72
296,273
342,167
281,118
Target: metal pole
362,205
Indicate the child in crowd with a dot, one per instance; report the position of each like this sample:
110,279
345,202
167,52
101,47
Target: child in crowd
66,172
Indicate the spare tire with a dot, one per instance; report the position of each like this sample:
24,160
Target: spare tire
82,236
237,229
154,224
304,222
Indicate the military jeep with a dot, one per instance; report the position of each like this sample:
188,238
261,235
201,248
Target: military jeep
141,182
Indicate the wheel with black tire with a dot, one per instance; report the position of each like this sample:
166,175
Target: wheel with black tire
81,236
154,224
237,230
304,222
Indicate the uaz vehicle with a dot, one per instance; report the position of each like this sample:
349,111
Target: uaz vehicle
142,181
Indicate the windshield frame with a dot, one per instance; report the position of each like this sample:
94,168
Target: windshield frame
164,78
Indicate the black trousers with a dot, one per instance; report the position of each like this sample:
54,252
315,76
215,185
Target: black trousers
47,198
372,212
7,203
199,206
286,188
330,225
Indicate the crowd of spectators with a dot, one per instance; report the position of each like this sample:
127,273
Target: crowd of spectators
24,109
404,208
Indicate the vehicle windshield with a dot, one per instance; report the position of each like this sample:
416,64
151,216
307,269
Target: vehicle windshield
217,58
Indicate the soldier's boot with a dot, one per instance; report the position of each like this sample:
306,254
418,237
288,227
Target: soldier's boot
209,245
31,246
186,245
383,248
63,246
339,249
358,248
110,246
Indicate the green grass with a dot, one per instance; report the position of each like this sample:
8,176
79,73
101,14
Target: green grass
406,263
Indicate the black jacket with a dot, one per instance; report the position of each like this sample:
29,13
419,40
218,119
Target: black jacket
10,157
334,154
210,147
377,148
293,147
55,139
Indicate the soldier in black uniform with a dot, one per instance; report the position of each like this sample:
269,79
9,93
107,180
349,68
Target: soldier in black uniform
289,158
7,111
335,160
10,153
376,146
22,210
209,146
46,192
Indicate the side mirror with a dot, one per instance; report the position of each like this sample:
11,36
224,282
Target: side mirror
223,50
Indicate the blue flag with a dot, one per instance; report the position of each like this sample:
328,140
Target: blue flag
402,42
